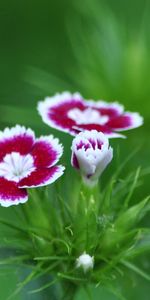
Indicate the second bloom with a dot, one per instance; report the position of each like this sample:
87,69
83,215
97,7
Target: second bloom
91,154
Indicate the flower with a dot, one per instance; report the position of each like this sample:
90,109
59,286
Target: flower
91,154
85,261
26,162
71,113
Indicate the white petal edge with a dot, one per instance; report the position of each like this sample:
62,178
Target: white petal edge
59,98
7,203
16,131
87,163
55,176
112,134
137,121
115,135
103,104
54,142
86,135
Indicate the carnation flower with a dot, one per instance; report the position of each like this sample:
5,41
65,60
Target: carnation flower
91,154
26,162
71,113
85,261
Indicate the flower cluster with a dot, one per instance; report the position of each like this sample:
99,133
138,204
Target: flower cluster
79,238
27,162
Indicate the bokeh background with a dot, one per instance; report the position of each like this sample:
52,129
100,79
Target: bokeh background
97,47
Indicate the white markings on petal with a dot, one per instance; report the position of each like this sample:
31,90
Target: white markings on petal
43,107
26,161
53,144
10,194
93,154
109,105
136,121
42,177
14,166
80,112
16,131
57,99
87,116
8,203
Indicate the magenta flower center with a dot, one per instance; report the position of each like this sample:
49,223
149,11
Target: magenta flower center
87,116
15,166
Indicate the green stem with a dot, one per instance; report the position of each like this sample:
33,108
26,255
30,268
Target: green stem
69,290
90,195
34,212
86,218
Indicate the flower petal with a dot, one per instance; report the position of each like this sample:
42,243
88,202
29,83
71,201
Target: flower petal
46,151
74,161
71,113
16,139
125,122
91,154
54,110
106,108
100,128
42,177
10,194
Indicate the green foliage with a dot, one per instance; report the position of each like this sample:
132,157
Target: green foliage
100,49
54,228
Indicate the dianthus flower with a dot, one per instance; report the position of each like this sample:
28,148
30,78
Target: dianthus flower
91,154
26,162
71,113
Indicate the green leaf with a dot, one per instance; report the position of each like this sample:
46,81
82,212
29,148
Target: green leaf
43,287
132,188
141,244
20,115
123,231
24,282
132,216
134,268
44,81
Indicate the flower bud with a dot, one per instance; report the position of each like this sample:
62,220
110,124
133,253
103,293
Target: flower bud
85,261
91,154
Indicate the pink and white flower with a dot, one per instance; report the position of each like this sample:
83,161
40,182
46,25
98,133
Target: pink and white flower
71,113
91,154
26,162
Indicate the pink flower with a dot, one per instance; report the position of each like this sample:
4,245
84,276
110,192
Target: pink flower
71,113
26,162
91,154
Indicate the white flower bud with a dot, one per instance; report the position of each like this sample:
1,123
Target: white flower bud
85,261
91,154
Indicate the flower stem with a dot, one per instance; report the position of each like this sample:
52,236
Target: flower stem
70,290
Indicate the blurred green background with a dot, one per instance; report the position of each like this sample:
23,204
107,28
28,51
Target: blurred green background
99,48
